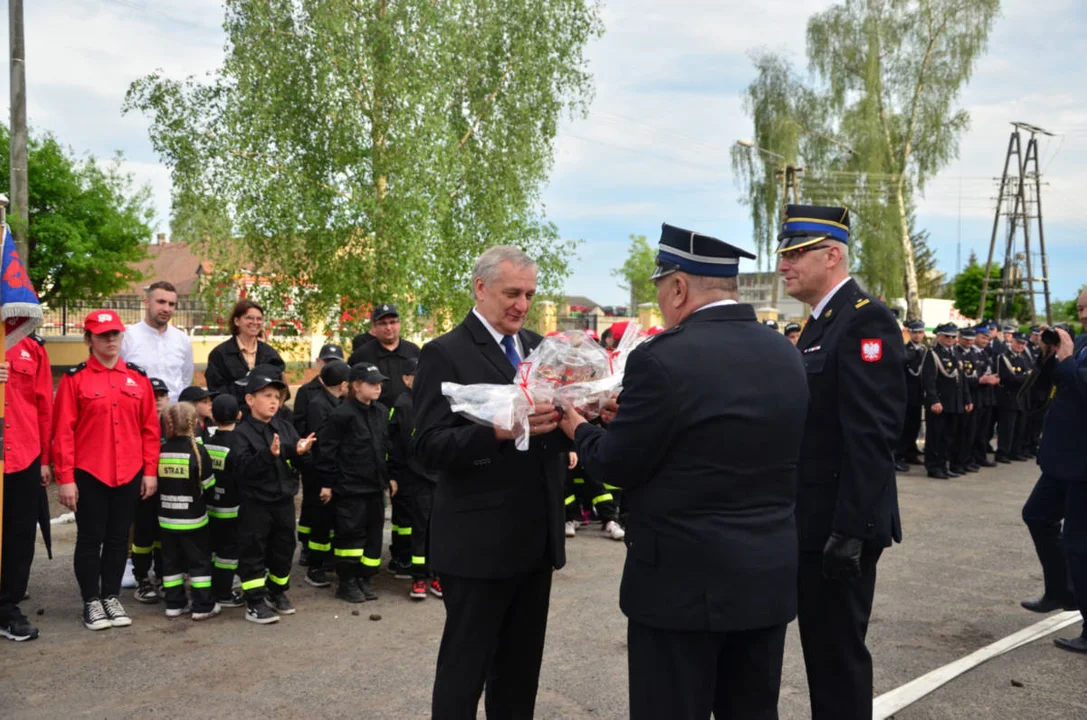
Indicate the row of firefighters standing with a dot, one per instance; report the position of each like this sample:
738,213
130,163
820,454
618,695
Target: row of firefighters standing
971,385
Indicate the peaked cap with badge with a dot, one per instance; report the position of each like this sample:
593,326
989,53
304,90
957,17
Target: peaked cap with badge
806,225
692,252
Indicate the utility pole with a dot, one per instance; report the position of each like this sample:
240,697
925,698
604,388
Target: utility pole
19,194
1016,190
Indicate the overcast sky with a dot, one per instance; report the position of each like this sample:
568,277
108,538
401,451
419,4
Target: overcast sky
669,80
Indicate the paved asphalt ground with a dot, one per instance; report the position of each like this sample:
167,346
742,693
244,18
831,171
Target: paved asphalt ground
954,586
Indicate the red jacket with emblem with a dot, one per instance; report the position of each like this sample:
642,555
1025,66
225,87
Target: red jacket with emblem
105,423
28,405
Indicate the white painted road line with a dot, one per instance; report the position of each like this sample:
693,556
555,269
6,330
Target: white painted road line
902,697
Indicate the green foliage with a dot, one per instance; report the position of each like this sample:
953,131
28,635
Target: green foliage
369,151
88,225
634,275
966,290
877,124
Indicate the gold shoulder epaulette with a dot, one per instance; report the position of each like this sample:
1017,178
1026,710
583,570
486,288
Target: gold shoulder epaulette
861,303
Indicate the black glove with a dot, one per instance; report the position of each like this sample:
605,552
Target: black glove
842,557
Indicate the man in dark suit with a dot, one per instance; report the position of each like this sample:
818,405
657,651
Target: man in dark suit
496,527
706,442
916,350
847,501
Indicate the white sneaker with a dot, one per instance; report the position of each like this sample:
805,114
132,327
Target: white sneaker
128,580
215,610
178,612
612,530
571,528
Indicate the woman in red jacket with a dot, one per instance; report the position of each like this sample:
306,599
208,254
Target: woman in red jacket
105,453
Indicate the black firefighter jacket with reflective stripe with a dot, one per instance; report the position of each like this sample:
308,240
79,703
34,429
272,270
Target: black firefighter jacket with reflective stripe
224,501
353,441
706,444
182,482
853,355
404,464
261,476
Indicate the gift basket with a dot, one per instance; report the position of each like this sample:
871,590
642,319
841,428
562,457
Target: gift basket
567,369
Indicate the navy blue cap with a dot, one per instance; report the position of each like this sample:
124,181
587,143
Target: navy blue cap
1019,336
772,324
335,373
806,225
792,327
224,409
330,351
947,329
159,386
982,330
1008,327
916,326
1035,329
697,254
969,333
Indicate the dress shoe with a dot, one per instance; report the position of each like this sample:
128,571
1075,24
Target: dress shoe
1078,644
938,474
1020,458
901,466
1002,459
914,460
956,469
1047,605
987,463
953,474
973,467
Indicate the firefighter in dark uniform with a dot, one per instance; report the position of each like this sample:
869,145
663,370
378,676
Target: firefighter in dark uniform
962,446
1014,368
1036,391
708,460
847,498
985,400
946,400
916,350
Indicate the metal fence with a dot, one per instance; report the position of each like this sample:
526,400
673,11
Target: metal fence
67,318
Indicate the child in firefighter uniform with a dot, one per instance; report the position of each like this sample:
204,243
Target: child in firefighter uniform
351,465
185,473
267,485
414,482
146,546
224,503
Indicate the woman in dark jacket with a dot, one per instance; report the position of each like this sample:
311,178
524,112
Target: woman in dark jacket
233,359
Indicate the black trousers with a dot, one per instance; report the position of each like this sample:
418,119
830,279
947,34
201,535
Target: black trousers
103,517
1032,430
585,492
1009,432
357,545
422,500
265,547
187,551
494,636
983,424
224,555
939,438
1043,513
833,617
311,502
21,492
962,446
400,543
907,444
146,543
1075,541
689,675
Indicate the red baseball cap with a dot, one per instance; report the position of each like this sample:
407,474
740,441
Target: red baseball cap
102,321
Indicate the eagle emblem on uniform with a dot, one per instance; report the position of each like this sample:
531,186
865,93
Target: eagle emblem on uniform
871,349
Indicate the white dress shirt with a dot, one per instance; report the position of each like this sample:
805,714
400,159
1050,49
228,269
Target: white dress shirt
498,336
818,309
166,355
717,303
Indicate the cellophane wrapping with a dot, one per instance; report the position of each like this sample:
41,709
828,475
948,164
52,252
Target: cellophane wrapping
568,370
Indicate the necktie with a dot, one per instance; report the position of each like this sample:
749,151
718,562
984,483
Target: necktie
511,350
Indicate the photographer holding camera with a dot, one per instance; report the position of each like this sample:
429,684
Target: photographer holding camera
1061,491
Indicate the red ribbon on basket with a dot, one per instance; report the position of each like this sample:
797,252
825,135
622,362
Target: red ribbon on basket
612,354
523,371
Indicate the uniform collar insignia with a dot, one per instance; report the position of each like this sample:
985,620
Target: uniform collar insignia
812,349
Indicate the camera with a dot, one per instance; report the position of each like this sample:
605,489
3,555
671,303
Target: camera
1050,336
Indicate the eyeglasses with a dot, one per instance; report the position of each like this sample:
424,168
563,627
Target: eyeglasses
793,255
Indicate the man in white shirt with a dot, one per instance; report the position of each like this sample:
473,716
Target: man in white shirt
156,346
